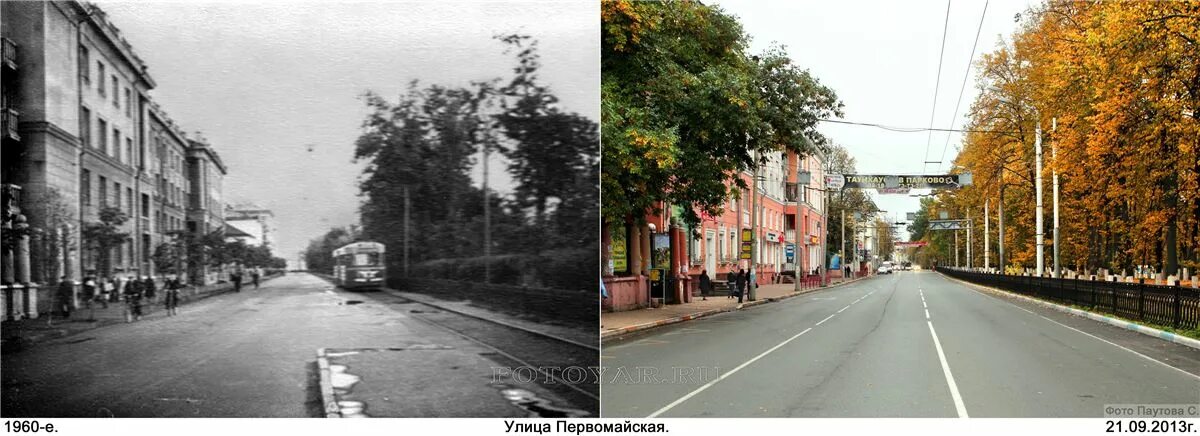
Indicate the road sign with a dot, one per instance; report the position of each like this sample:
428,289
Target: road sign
834,181
934,181
789,249
747,235
747,250
947,224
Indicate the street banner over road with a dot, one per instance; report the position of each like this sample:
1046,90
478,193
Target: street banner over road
937,181
903,244
947,224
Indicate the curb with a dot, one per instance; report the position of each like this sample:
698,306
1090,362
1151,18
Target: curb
332,410
616,333
1128,325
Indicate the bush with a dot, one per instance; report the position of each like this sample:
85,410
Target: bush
575,269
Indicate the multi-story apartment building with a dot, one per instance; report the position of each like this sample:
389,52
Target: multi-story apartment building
205,208
81,135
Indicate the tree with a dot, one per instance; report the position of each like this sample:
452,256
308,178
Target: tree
1122,82
105,235
319,254
52,239
684,109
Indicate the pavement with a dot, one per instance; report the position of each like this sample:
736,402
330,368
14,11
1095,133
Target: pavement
911,344
614,325
29,332
255,354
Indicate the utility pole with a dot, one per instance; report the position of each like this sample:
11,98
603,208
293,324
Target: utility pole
406,229
1039,236
956,249
1001,207
987,230
753,285
1054,158
842,249
969,226
487,218
800,184
824,233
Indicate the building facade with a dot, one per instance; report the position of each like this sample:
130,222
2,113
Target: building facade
714,246
82,139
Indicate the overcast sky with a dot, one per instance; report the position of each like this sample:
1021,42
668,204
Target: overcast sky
881,57
264,81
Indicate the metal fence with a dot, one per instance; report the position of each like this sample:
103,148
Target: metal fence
1173,306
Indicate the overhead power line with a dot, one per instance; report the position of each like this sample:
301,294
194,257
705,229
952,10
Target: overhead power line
912,129
937,84
966,74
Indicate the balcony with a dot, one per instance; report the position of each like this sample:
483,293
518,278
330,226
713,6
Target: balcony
9,128
9,53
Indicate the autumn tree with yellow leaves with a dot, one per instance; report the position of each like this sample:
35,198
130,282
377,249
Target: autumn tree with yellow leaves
1115,87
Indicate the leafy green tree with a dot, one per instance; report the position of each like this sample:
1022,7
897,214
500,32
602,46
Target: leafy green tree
105,235
684,109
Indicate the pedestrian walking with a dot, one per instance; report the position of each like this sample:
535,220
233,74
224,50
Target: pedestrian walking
133,300
88,294
148,289
705,284
731,282
66,296
741,284
254,276
236,277
172,287
109,286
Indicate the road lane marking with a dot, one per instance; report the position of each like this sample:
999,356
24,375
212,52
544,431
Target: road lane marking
926,313
924,305
1197,377
826,319
958,402
725,375
844,308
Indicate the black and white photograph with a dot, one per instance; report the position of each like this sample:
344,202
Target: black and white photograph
300,209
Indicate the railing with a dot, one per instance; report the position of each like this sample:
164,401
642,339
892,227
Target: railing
1173,306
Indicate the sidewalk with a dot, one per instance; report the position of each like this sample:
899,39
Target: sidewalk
49,326
616,324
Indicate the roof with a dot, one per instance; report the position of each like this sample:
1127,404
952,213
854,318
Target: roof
234,232
359,247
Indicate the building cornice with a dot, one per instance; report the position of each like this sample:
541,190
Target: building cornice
50,129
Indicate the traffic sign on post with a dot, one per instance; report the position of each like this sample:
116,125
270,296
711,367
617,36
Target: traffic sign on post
835,181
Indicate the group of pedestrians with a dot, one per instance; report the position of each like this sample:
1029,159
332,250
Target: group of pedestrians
133,291
236,278
739,283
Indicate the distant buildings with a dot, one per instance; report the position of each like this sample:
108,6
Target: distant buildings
255,222
81,135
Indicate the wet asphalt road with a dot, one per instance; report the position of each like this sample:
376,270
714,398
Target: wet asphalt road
250,354
868,350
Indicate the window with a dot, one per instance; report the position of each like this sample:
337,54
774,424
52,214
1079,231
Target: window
103,191
85,187
128,103
85,64
85,126
116,151
100,78
129,150
117,194
366,259
116,95
103,128
146,205
129,200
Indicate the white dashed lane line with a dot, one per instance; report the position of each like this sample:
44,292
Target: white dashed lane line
691,394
